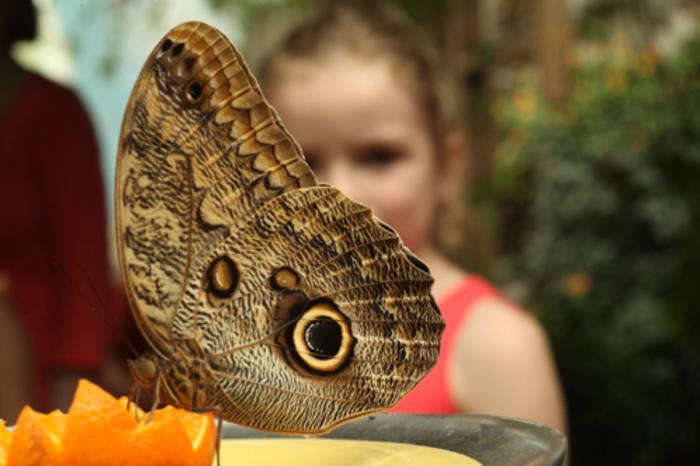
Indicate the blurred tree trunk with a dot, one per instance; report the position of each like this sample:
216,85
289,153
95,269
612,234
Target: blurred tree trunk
461,33
461,46
553,44
461,43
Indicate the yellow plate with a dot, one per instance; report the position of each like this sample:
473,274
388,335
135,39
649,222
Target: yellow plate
324,452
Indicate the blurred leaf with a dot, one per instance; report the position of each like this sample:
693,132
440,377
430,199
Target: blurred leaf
613,246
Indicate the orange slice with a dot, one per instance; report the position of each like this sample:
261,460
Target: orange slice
191,439
98,430
36,439
202,433
5,437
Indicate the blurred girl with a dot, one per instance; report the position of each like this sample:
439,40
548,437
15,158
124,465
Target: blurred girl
369,105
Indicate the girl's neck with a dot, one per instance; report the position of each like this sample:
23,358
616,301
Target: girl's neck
447,274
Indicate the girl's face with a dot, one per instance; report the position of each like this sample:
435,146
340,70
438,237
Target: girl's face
363,133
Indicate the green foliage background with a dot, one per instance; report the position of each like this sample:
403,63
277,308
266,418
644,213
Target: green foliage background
610,183
596,204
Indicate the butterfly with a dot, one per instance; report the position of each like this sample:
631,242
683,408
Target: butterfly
262,294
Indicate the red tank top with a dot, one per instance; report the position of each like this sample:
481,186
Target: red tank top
431,395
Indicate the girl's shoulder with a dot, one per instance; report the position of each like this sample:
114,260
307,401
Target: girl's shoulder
498,330
469,292
492,313
501,363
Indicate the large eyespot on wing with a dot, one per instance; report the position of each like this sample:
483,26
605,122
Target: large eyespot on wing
200,150
341,324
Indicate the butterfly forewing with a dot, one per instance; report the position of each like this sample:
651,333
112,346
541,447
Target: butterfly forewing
200,149
304,309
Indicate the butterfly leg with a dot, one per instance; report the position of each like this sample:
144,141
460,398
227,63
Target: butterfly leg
134,398
156,401
219,423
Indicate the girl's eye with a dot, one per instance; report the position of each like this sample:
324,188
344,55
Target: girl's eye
379,156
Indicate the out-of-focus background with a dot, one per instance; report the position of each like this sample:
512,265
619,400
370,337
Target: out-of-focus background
583,122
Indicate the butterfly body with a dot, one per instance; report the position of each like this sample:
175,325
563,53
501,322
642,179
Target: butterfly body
263,294
180,378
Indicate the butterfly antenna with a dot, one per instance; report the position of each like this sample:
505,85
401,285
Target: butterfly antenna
102,312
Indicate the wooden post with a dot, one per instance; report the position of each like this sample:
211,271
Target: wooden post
460,35
553,44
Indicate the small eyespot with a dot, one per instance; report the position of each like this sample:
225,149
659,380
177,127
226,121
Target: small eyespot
321,339
177,50
167,43
223,277
284,278
194,92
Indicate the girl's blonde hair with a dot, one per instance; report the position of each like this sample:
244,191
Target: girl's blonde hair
374,30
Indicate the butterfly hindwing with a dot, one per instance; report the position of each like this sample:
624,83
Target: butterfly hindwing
339,257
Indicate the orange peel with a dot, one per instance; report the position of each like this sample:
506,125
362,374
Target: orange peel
99,430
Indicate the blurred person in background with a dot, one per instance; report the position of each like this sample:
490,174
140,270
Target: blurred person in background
52,228
377,118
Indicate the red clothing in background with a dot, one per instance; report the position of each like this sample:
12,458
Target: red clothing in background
52,224
431,395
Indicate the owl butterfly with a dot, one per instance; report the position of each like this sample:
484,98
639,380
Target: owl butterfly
262,294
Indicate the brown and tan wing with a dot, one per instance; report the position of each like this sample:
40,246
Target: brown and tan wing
331,317
200,151
307,309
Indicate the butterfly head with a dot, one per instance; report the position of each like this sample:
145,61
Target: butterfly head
144,370
179,381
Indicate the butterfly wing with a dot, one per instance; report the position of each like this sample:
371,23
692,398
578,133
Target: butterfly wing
200,150
307,256
309,311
